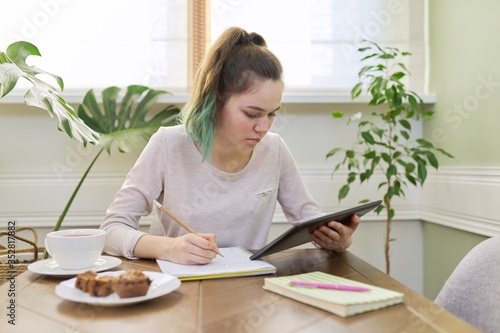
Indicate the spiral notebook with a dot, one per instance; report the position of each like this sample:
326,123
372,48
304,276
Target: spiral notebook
236,262
339,302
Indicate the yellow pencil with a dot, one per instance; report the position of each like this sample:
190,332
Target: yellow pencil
176,219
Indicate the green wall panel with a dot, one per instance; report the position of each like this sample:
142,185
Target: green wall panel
443,249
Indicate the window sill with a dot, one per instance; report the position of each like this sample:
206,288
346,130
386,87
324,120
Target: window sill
181,97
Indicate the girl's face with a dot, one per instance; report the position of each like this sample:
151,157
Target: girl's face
245,118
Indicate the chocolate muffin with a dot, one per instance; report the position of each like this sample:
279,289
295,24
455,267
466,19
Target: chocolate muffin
132,283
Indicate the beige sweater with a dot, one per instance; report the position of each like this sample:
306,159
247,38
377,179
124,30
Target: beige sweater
237,207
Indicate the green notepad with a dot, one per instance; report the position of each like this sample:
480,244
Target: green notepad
342,303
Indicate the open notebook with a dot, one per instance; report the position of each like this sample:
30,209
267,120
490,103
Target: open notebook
236,262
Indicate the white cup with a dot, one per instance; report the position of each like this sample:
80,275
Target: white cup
75,248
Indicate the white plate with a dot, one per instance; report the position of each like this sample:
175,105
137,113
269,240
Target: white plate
161,284
50,267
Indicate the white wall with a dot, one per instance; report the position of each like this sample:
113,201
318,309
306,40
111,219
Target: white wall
40,167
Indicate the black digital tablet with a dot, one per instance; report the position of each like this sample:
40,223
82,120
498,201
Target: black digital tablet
300,233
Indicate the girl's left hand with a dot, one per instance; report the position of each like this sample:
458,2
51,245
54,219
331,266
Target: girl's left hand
335,235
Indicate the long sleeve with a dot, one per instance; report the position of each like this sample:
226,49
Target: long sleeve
142,185
293,196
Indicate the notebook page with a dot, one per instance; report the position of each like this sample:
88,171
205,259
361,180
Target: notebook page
235,260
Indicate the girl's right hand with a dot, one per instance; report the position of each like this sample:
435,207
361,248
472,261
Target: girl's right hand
192,249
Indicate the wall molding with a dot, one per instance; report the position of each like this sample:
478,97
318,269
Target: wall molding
464,198
45,195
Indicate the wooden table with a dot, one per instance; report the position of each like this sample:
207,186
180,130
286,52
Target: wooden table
226,305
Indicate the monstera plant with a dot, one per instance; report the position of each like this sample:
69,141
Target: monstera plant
128,123
42,94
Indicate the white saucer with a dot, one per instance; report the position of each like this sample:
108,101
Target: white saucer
161,284
50,267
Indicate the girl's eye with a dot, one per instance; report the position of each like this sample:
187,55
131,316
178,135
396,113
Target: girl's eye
257,115
252,115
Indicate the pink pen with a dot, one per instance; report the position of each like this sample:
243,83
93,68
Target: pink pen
327,286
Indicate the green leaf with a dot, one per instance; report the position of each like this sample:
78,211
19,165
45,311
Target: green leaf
356,91
409,167
128,124
337,114
365,175
391,191
43,95
353,163
386,157
378,85
363,49
391,171
379,132
368,137
391,214
411,179
379,209
432,159
344,190
9,74
386,56
369,154
414,105
405,123
428,114
422,171
444,152
368,56
397,76
425,143
351,177
333,152
403,66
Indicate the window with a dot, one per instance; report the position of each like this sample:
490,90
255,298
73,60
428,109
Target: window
316,40
96,44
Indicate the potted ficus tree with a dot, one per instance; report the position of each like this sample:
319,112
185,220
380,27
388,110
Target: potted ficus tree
385,144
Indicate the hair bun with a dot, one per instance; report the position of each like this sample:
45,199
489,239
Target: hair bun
257,39
252,38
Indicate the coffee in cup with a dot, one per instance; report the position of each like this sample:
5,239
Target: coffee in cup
75,248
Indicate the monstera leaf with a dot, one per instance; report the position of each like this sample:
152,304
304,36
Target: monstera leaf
128,123
13,66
